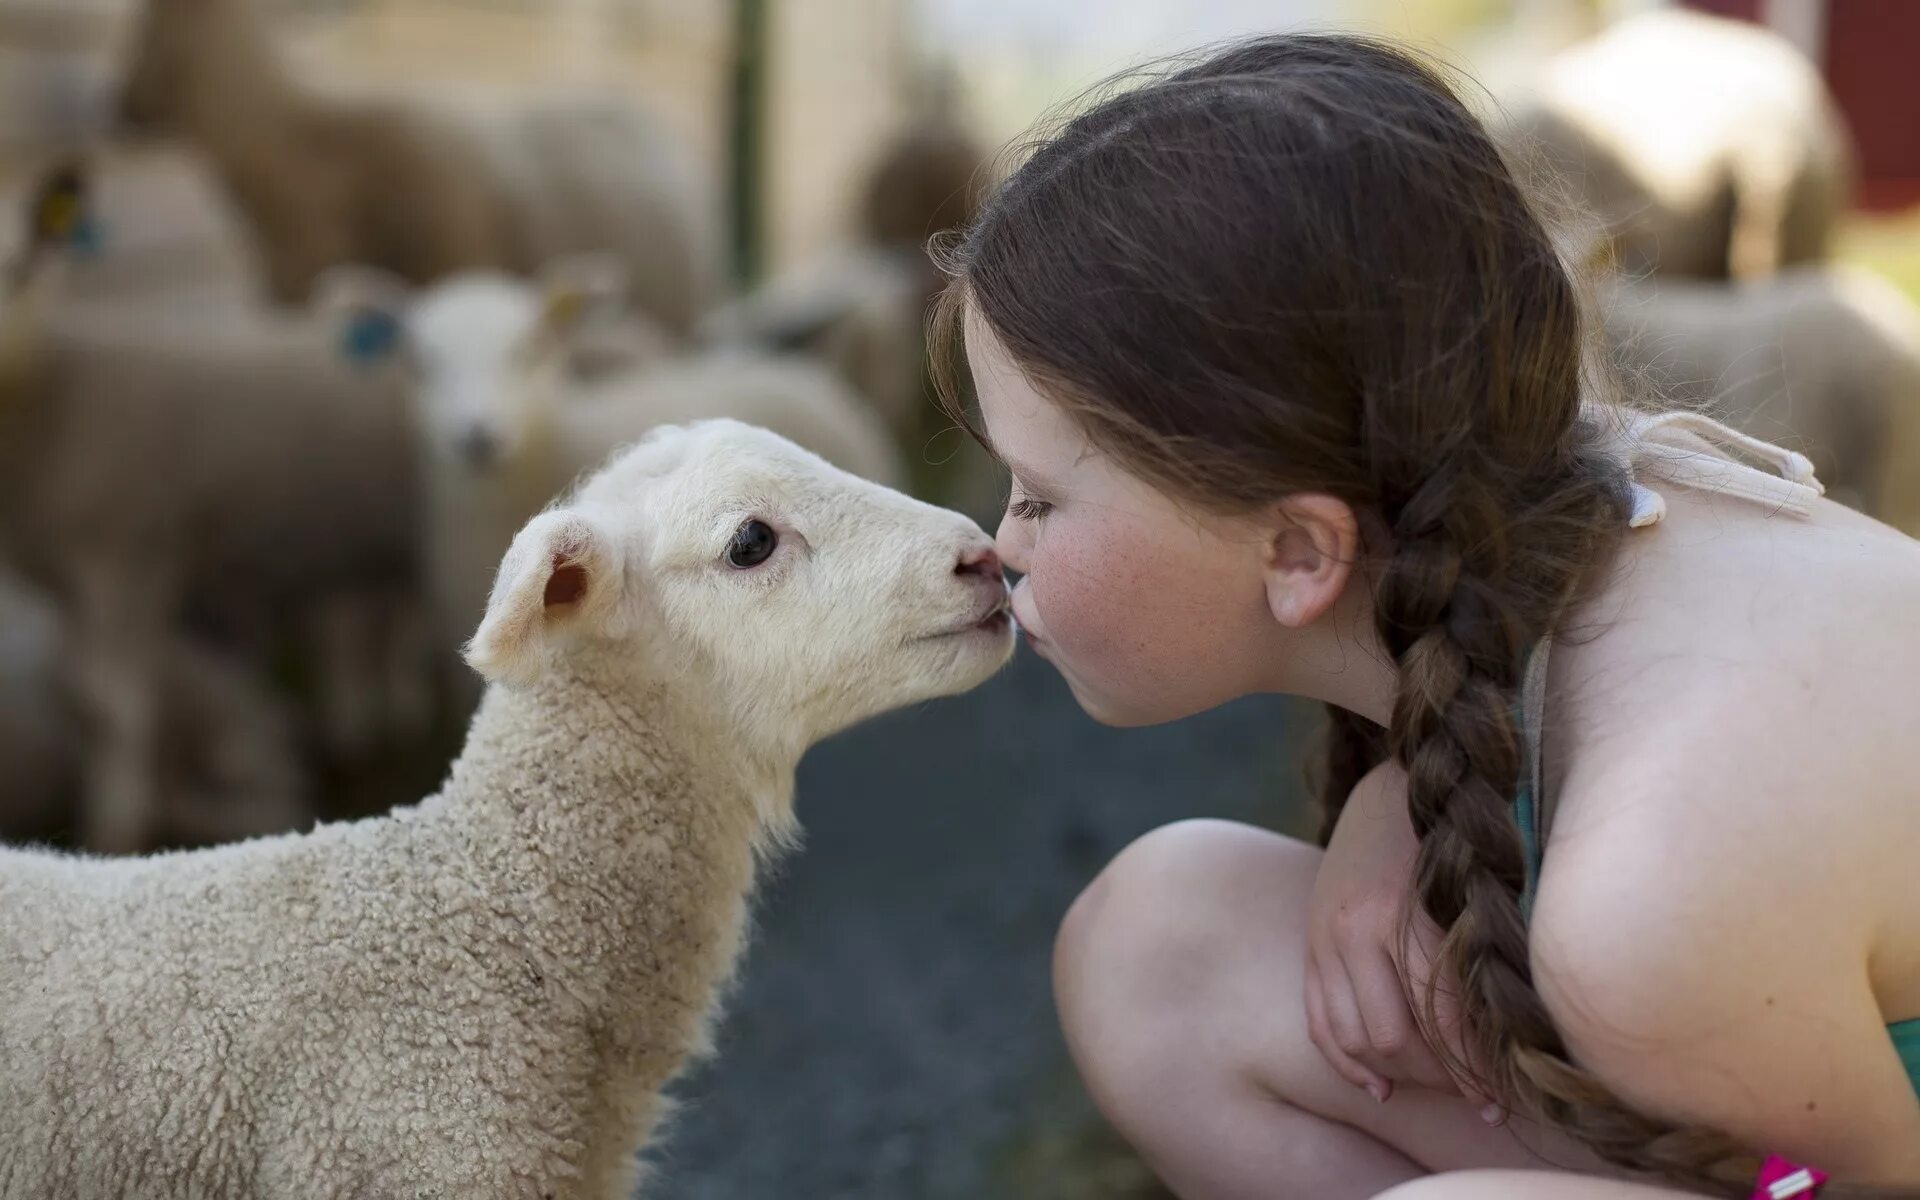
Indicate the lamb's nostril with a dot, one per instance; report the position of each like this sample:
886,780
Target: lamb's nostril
982,561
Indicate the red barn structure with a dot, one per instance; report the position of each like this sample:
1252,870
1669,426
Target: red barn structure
1868,50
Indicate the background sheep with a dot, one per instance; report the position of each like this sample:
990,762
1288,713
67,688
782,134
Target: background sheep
1705,147
509,414
163,229
862,307
420,189
153,469
1824,359
227,766
484,995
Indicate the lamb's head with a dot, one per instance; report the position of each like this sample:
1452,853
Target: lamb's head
798,598
487,356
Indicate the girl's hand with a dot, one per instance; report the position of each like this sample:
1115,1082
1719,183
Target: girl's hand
1365,973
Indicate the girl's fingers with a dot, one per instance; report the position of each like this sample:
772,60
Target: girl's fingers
1398,1049
1321,1028
1461,1062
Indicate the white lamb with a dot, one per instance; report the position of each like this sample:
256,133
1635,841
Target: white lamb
483,995
519,388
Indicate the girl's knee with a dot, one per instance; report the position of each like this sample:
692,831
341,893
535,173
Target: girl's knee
1143,952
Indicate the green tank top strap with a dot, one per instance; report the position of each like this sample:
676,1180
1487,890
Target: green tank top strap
1530,810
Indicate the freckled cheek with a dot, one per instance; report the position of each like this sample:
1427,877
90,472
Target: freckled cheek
1094,604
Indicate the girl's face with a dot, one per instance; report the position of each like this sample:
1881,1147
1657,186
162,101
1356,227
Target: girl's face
1151,610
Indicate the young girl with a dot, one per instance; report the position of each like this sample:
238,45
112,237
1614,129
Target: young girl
1289,380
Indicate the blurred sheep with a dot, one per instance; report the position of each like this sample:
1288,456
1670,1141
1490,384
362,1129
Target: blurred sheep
421,189
520,388
228,767
163,230
862,306
234,467
1705,147
1825,359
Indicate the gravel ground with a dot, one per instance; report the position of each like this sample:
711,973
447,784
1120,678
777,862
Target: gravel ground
894,1036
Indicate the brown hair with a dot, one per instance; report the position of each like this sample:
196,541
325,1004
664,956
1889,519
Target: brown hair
1300,263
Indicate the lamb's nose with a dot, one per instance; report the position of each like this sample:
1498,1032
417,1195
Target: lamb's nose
982,561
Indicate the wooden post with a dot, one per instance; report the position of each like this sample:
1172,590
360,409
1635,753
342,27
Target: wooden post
747,132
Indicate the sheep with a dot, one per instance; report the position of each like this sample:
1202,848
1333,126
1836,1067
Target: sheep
484,995
863,306
508,414
37,742
228,768
424,189
1826,358
1705,147
164,230
152,468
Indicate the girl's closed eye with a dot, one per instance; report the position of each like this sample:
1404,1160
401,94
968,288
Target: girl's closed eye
1026,508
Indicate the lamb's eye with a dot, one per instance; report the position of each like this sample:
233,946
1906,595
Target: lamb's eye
752,545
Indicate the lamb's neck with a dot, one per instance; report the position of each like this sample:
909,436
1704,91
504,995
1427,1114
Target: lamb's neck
631,793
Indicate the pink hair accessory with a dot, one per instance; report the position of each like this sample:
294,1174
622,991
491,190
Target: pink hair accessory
1782,1180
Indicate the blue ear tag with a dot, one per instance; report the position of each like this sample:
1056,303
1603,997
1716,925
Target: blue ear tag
88,237
370,336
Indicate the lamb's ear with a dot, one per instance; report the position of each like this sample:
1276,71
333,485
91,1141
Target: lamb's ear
579,287
561,574
366,308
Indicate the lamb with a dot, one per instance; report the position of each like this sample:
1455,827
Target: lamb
1706,147
509,413
150,466
1824,358
423,189
483,995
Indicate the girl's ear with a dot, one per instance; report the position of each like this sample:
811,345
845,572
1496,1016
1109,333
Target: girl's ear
1312,546
560,574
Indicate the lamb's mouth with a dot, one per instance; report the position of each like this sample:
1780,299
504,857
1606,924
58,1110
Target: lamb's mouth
997,620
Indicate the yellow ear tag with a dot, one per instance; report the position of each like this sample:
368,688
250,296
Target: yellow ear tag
59,215
564,306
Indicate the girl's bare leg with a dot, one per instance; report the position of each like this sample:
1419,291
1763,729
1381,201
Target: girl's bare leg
1527,1185
1179,978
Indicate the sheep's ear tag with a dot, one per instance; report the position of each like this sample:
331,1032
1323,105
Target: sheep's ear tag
370,335
63,219
565,305
88,238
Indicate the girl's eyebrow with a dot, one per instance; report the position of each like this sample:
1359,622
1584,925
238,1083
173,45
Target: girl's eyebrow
1025,472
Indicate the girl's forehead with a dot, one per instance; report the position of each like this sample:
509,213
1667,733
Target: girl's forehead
1020,420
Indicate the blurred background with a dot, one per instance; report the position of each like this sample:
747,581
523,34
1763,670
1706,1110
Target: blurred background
305,305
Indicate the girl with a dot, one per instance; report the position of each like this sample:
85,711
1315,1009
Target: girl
1289,379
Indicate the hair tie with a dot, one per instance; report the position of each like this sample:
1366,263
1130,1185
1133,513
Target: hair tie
1782,1180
